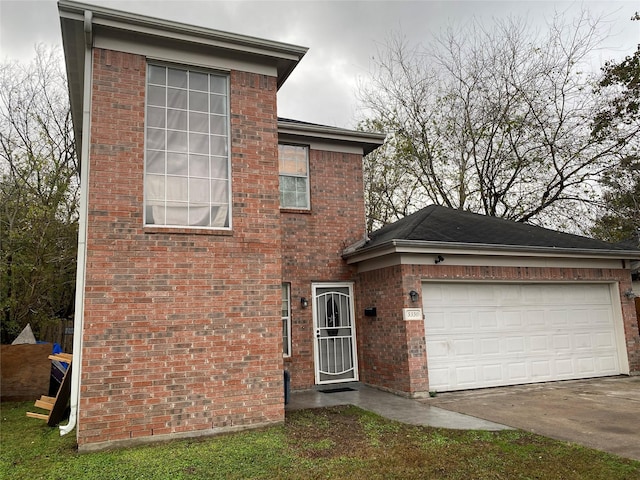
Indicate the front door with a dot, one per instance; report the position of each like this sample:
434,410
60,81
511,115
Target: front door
335,345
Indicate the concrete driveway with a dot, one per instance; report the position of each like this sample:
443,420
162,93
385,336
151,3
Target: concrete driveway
601,413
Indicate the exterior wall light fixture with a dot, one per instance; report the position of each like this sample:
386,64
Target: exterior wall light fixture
413,295
304,303
630,294
439,259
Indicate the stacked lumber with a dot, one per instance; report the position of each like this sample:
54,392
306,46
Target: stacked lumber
56,406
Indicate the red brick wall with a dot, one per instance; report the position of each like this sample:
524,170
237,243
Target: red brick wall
313,242
181,328
392,351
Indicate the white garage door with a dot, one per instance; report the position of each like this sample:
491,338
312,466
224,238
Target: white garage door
486,334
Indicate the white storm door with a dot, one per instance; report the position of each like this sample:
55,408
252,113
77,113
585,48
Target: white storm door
334,330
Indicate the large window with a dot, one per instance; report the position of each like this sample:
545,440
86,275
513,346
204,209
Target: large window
294,176
286,319
187,180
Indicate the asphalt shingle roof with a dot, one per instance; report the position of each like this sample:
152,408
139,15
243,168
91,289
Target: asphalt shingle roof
441,224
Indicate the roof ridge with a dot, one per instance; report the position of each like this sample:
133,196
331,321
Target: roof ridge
429,211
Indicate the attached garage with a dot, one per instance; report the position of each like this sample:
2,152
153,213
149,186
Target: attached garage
451,300
491,334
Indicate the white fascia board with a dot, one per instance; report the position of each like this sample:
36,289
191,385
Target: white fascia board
436,248
325,134
510,261
108,22
209,38
181,31
183,54
322,144
455,259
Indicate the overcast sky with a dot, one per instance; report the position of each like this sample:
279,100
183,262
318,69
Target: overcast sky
341,36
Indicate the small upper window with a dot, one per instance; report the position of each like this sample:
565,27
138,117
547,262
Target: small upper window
294,176
187,180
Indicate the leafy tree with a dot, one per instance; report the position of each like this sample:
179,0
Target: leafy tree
619,118
493,120
389,191
38,195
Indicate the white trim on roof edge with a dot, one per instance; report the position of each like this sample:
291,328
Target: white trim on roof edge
180,31
152,36
485,260
323,133
424,247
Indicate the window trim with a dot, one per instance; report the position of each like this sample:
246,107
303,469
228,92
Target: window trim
179,228
286,346
307,177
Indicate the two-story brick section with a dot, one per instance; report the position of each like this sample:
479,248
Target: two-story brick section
220,245
194,227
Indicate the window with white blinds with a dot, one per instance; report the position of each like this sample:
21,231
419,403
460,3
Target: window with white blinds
187,171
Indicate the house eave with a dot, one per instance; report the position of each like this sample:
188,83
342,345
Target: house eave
426,247
106,22
289,54
369,141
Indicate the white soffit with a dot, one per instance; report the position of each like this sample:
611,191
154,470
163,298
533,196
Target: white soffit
498,259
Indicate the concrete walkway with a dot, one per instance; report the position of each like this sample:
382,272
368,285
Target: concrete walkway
388,405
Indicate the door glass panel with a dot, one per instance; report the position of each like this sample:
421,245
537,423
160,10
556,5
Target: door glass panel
334,335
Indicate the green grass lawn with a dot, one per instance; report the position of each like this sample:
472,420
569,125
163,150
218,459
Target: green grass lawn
337,443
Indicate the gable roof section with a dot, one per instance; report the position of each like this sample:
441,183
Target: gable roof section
441,227
81,22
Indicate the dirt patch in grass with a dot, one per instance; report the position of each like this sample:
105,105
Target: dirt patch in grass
386,449
327,433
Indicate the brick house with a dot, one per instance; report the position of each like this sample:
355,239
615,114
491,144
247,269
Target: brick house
468,301
199,232
220,244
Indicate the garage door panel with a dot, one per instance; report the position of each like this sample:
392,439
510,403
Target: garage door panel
586,366
558,318
489,346
491,373
486,338
540,344
581,317
561,343
513,319
461,321
464,347
563,367
599,317
595,294
535,318
438,376
517,372
582,341
607,363
604,340
541,370
515,345
487,320
466,375
439,349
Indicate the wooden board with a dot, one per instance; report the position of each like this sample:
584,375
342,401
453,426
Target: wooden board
44,404
38,415
61,357
57,406
25,371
